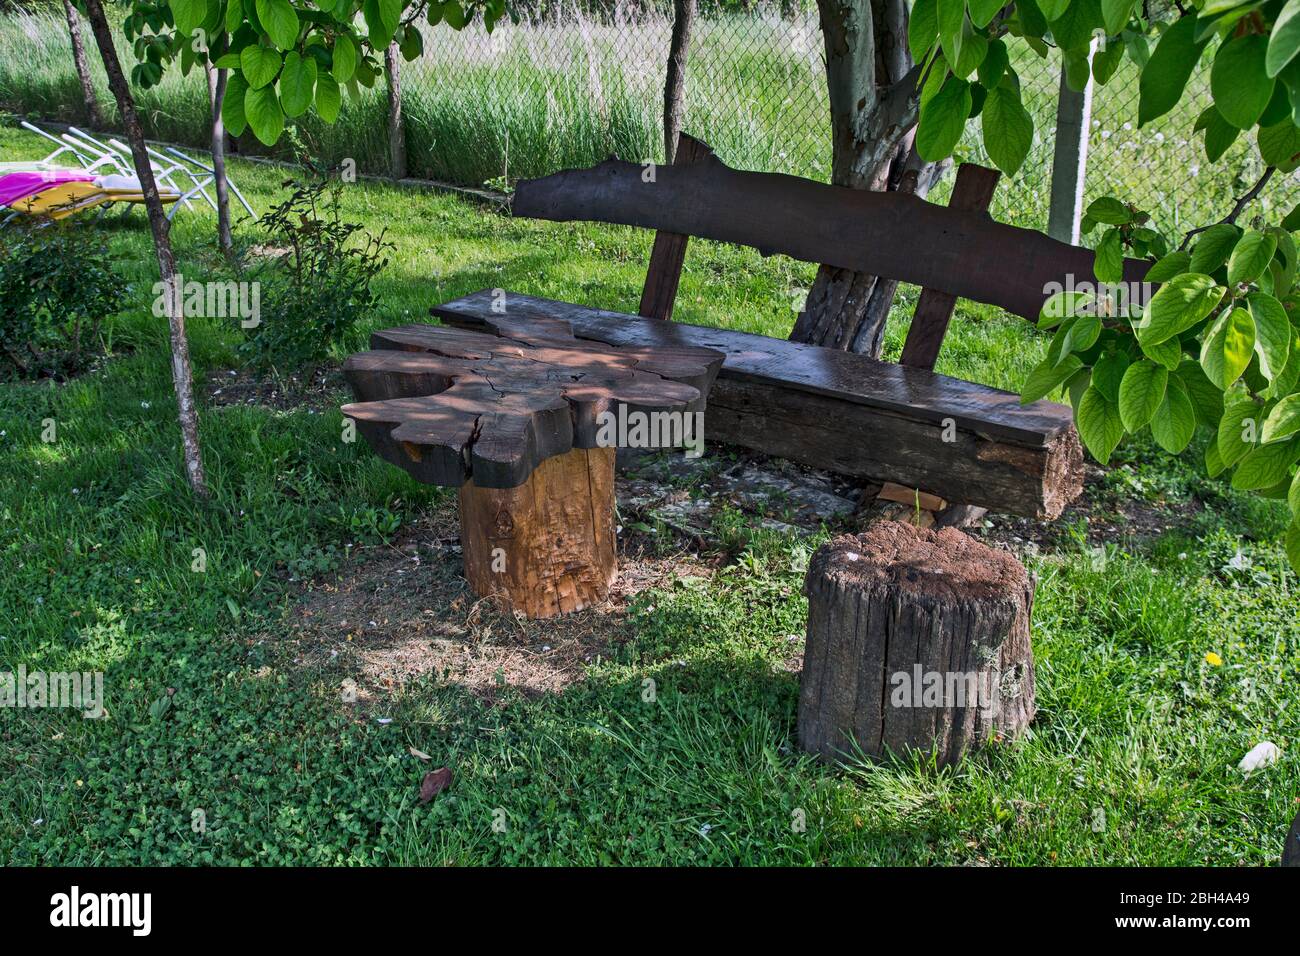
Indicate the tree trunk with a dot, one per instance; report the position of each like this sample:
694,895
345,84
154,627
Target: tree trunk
93,115
917,640
675,82
159,226
873,95
546,547
396,130
217,80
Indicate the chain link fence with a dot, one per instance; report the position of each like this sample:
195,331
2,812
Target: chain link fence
572,85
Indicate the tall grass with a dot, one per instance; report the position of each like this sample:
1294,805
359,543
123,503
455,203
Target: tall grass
539,96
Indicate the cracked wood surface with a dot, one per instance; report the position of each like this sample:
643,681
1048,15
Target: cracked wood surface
449,405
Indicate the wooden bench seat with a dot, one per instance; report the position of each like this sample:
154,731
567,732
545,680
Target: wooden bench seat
967,443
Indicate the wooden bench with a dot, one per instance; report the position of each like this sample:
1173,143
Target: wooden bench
969,444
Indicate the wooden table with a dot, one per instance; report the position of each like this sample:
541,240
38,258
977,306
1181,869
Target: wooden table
512,417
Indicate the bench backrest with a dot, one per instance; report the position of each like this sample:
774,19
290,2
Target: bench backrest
952,251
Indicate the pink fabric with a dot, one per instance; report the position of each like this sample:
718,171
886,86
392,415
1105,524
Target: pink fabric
15,187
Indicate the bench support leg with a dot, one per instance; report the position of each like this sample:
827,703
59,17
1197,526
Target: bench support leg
548,546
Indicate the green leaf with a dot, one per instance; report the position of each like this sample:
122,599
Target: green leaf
1251,256
1214,464
260,65
1292,544
1226,350
412,44
1174,422
1166,74
1141,392
1106,61
297,84
1115,15
328,98
1219,134
1109,210
232,107
1108,373
280,23
982,12
1293,502
1008,129
974,47
1168,353
1047,378
1207,398
1279,145
943,119
1074,28
1240,87
1066,304
1168,267
1284,41
922,28
1108,263
1283,421
1100,425
1286,381
952,18
345,58
1214,247
188,15
1238,430
1178,305
1266,465
1272,333
1052,9
995,64
1081,336
265,117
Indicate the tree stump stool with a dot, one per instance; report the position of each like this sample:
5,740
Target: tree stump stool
1291,851
917,640
518,418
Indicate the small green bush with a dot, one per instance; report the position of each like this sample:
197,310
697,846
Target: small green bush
56,287
315,281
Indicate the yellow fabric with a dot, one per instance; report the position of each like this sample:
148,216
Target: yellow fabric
63,200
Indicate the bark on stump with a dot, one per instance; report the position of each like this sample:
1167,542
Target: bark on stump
917,640
547,546
1291,852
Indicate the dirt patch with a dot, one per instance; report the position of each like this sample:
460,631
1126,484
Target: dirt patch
404,610
323,389
1110,519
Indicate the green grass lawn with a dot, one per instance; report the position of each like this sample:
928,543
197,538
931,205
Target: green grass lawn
220,700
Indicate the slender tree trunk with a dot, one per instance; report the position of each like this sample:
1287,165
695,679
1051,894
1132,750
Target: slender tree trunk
675,82
396,128
873,97
217,80
93,114
182,378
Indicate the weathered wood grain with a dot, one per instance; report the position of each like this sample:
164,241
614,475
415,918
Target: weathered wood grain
958,251
891,607
967,443
973,191
447,405
669,252
548,546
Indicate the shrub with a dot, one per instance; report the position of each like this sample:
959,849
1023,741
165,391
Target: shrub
55,288
315,285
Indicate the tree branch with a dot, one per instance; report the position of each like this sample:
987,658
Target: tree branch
1242,202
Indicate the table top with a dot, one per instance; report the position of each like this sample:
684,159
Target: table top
450,405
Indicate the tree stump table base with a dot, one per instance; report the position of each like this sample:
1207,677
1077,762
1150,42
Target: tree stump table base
548,546
516,417
918,640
